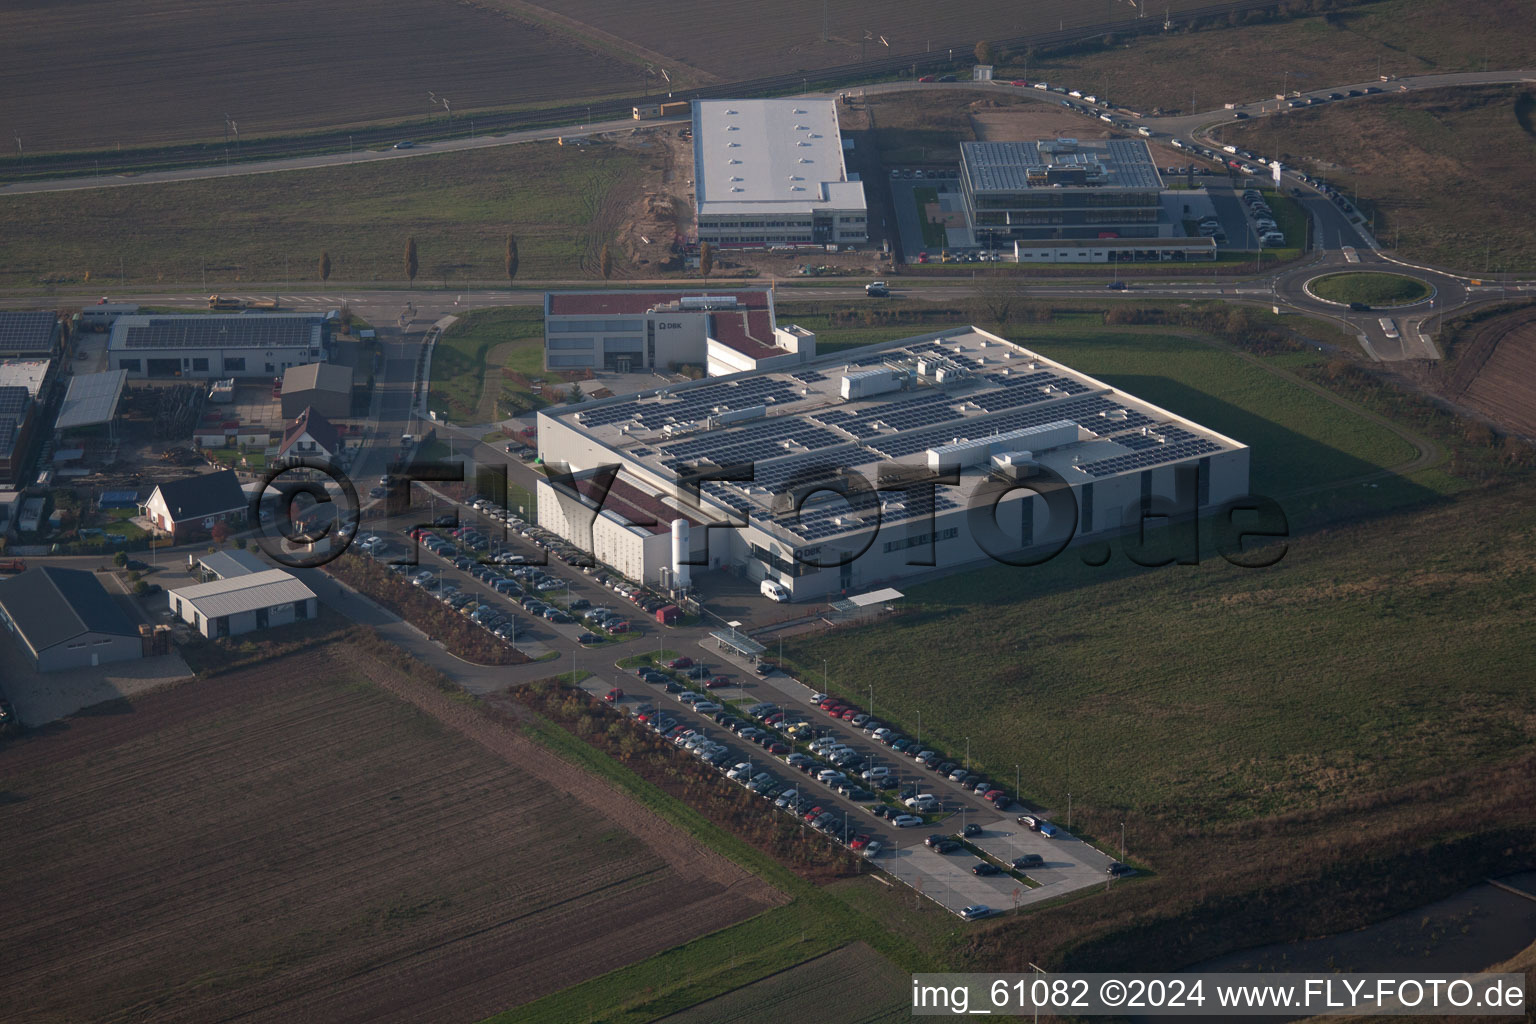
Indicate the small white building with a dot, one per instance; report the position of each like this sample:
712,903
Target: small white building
243,604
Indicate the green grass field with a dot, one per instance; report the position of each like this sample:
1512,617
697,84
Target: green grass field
1298,438
462,361
1371,656
1373,289
273,227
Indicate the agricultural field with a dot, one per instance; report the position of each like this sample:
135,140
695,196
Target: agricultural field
854,976
298,840
731,40
1430,165
1238,65
562,203
171,71
1491,370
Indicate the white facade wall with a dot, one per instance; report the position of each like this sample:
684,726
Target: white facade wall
241,622
214,363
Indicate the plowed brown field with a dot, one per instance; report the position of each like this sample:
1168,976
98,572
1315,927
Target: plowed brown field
94,74
1495,371
301,844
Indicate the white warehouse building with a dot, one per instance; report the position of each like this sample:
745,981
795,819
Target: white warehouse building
216,346
772,172
881,424
243,603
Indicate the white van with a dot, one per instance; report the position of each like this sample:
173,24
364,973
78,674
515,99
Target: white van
775,591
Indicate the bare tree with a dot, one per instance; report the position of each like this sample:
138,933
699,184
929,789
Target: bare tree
997,298
605,262
411,265
325,267
984,52
511,258
706,259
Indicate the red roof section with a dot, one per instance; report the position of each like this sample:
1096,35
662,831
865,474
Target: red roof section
634,303
749,333
636,506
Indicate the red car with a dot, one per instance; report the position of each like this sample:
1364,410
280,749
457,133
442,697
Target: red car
716,682
858,842
683,662
614,695
813,814
927,78
1020,83
826,704
850,714
996,796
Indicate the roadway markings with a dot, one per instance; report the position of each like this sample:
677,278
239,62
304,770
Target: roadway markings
1350,256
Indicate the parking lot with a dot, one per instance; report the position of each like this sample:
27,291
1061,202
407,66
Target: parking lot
711,706
1068,865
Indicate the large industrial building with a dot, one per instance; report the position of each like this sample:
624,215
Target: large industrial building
64,618
771,172
962,401
630,332
216,345
1060,188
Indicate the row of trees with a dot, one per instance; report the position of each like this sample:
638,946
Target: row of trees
604,260
413,264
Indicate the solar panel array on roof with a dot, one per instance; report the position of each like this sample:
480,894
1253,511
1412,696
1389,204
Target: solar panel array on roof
809,376
755,442
244,331
1154,456
27,332
692,403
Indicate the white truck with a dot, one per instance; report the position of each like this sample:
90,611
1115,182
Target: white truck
775,591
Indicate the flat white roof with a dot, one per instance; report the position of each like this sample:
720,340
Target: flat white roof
24,373
781,156
244,593
875,597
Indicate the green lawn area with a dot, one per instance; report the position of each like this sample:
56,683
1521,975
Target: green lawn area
459,207
933,234
463,355
1298,438
1371,289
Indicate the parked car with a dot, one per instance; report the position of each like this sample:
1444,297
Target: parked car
970,830
983,867
1028,860
906,820
614,695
